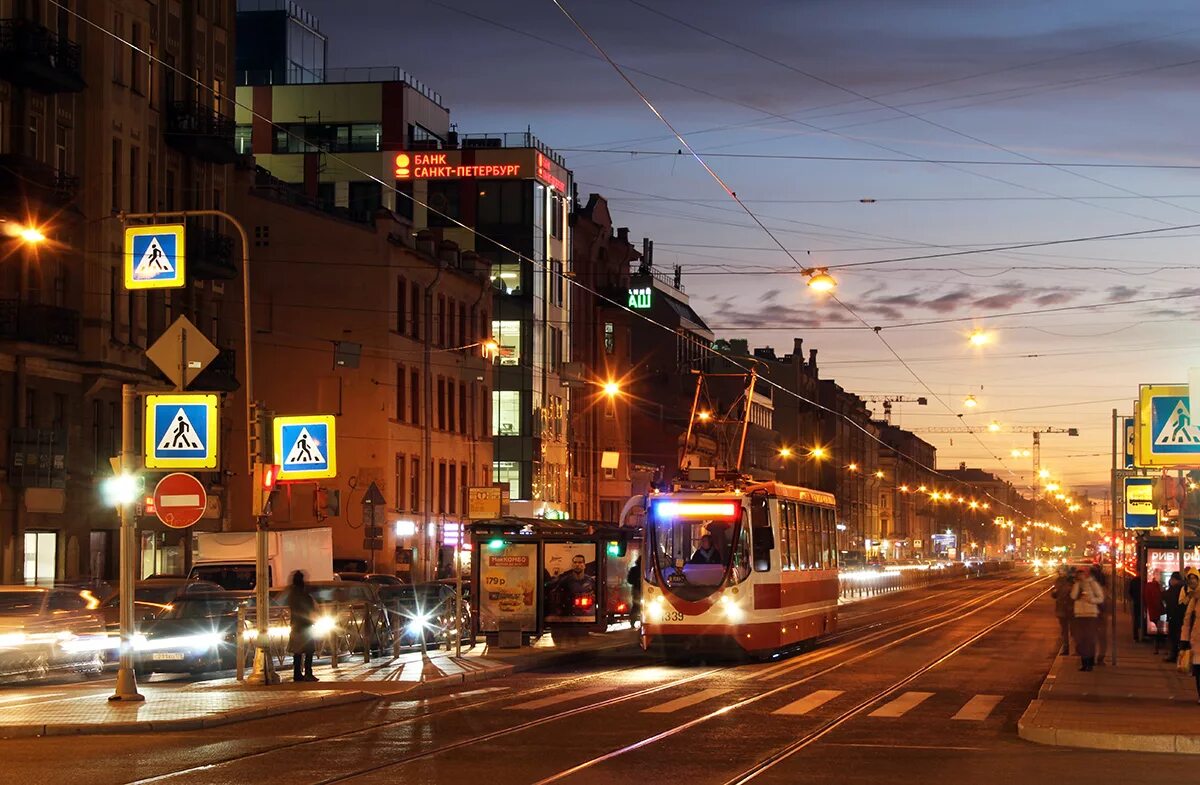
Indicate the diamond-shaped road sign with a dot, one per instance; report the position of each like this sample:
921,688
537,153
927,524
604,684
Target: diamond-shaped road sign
182,352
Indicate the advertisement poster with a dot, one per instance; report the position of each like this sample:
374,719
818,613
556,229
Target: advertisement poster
1163,562
569,574
508,586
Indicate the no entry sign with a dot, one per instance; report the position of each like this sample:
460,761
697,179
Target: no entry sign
179,500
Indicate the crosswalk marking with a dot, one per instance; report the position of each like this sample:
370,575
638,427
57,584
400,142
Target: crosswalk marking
902,705
685,701
808,702
978,708
562,697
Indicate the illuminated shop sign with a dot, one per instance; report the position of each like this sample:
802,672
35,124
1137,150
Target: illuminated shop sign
483,164
639,298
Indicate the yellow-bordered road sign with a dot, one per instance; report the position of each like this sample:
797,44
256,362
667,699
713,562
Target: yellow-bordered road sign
1166,434
154,257
181,431
306,446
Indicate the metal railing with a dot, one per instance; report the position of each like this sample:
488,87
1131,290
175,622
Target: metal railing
47,325
34,42
355,628
511,139
868,583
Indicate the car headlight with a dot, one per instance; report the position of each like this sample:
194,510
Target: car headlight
324,625
12,639
418,623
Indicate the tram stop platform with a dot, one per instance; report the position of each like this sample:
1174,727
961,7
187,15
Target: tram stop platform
1142,704
66,707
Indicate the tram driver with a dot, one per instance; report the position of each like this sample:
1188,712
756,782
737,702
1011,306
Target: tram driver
707,553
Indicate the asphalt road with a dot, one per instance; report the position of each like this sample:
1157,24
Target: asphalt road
923,687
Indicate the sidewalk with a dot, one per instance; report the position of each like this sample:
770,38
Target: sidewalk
71,709
1143,704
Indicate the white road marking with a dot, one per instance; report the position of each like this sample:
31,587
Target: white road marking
541,703
902,705
978,708
900,746
809,702
685,701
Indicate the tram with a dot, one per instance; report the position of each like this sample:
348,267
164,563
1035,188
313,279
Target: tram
737,565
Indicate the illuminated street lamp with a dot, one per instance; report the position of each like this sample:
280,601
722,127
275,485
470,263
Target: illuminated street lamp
878,475
970,402
818,452
979,338
785,452
703,416
820,280
853,467
611,389
1043,474
490,348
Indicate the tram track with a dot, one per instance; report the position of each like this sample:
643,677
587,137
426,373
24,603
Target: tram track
949,615
890,627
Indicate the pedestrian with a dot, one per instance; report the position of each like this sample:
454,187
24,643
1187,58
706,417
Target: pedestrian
1153,609
634,579
1133,587
1190,637
1088,597
1063,604
1174,611
1104,620
302,645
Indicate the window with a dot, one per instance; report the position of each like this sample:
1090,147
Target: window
31,419
556,282
59,412
441,487
401,306
414,483
509,473
35,137
114,421
610,338
452,501
441,404
119,51
365,197
135,169
243,139
554,348
401,481
116,176
462,407
452,338
60,149
450,426
414,299
463,337
484,410
114,289
506,413
506,273
508,335
97,426
441,333
40,558
137,60
556,211
443,201
401,389
414,395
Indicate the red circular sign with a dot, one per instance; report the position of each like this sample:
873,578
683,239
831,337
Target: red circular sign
179,500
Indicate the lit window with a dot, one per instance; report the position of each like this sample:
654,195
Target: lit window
508,336
508,472
506,413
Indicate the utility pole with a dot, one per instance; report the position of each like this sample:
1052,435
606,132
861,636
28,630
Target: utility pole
126,689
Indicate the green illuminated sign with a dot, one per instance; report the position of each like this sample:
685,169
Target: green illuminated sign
640,298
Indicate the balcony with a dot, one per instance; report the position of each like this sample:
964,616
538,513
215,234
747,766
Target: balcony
210,255
195,129
26,183
220,375
47,325
32,56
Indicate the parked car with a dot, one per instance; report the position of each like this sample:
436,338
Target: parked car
425,612
44,629
377,578
195,634
151,597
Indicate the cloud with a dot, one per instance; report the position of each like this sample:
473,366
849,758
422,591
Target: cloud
1122,293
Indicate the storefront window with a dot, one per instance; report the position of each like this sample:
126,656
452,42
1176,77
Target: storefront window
40,556
506,413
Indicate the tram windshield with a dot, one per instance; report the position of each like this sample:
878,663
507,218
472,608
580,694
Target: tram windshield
697,546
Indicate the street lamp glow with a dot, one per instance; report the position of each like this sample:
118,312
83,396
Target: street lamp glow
703,416
491,348
979,338
1043,474
878,475
818,452
821,281
970,402
1052,487
120,489
994,427
31,235
611,389
785,452
853,467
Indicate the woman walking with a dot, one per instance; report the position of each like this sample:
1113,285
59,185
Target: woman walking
1190,637
1175,608
300,642
1088,597
1061,592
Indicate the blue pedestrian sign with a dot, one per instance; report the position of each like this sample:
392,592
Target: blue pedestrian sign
154,257
305,447
1167,436
1129,439
181,431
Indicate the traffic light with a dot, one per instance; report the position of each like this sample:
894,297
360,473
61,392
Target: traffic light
266,478
261,446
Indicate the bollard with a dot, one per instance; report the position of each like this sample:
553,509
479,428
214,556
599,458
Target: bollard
240,647
331,641
366,633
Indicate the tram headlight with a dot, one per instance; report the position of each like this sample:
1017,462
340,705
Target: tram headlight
733,611
655,609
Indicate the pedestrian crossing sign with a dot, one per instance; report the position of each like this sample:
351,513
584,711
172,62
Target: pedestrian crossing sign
181,431
305,447
154,257
1166,434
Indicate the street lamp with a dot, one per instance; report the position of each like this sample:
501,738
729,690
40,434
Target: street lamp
818,452
852,467
979,338
611,389
703,416
970,402
994,427
785,452
819,280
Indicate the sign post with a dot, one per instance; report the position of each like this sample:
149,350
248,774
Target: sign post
126,689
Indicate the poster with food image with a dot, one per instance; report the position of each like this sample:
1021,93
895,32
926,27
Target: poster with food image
569,575
508,586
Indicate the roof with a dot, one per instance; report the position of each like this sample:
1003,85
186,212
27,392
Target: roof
689,316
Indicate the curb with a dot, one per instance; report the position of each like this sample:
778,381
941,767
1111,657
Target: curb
183,724
1029,730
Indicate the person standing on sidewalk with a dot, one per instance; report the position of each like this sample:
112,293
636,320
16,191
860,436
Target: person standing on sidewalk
301,644
1088,597
1175,611
1190,634
1104,620
1063,604
1133,588
1153,609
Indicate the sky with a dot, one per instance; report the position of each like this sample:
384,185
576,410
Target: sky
976,105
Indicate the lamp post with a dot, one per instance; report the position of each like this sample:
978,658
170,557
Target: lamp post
262,672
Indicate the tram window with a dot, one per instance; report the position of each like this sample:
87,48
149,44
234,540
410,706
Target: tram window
789,520
830,539
785,552
764,538
810,553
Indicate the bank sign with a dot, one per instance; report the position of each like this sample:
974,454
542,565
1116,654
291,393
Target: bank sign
496,163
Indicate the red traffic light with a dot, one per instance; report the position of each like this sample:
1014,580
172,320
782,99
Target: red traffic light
270,475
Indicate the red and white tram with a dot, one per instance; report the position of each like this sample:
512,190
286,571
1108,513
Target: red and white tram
752,565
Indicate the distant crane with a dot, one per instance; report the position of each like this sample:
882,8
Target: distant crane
996,428
888,400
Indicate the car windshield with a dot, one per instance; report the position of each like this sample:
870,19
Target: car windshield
201,608
231,577
21,603
694,554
